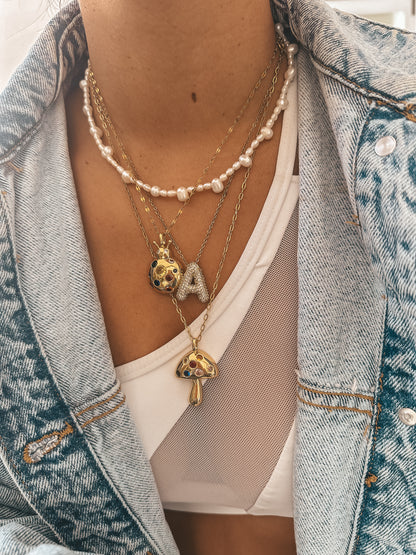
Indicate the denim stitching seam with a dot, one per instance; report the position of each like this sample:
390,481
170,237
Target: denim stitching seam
370,466
99,403
331,407
375,94
98,416
31,457
346,394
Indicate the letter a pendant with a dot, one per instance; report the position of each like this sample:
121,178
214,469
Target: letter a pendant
193,281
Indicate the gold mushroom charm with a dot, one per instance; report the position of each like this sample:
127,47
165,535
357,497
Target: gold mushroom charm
164,273
196,365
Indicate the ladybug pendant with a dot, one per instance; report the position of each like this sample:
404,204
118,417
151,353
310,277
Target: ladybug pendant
164,273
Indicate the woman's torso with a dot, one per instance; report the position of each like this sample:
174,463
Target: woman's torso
120,263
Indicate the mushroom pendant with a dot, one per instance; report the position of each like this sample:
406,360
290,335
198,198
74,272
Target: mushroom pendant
164,273
196,365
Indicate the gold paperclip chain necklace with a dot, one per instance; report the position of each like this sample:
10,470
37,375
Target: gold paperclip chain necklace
197,364
165,273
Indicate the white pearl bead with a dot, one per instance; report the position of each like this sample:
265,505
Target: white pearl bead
236,166
290,73
126,177
260,138
83,84
282,103
107,151
171,193
182,194
249,151
267,133
245,161
293,49
223,177
155,191
96,132
277,111
207,186
229,172
279,28
146,187
139,183
284,89
217,186
87,110
190,189
163,193
255,144
200,188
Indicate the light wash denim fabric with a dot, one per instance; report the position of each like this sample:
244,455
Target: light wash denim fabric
67,440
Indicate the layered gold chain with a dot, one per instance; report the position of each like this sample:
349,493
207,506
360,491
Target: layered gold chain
259,122
110,131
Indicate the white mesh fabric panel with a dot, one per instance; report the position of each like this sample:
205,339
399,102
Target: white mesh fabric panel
223,452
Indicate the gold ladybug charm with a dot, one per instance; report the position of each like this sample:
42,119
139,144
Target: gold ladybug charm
196,365
164,273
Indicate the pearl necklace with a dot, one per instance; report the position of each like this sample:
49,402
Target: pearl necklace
216,184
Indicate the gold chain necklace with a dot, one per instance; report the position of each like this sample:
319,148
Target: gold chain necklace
197,364
109,127
165,273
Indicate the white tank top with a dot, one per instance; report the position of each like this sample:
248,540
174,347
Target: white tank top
233,453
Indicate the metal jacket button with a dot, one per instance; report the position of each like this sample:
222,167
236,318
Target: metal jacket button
385,146
407,416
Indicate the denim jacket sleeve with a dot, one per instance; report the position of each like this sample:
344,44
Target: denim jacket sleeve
24,539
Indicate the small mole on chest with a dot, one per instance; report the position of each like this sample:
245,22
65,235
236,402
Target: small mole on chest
193,96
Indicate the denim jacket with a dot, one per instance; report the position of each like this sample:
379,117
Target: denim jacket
67,440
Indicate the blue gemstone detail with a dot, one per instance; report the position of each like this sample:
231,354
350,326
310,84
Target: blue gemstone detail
154,263
157,282
187,373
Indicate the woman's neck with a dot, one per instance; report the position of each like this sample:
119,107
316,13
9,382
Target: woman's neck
177,65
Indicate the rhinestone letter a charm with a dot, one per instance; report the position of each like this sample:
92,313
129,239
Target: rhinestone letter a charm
193,281
195,366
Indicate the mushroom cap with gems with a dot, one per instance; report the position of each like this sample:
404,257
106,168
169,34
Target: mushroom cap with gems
195,365
165,274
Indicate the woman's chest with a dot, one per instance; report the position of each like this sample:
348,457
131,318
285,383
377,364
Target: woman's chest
121,230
